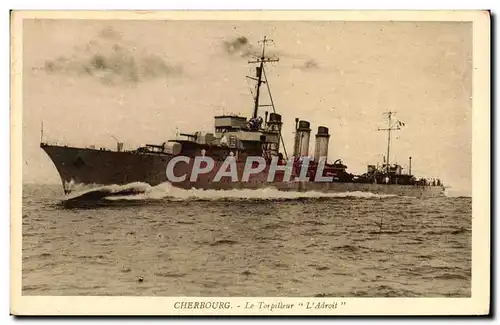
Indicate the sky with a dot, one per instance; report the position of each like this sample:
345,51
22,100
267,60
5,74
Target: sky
91,81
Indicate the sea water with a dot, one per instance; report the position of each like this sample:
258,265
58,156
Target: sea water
162,241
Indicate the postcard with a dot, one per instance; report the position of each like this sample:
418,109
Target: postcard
250,163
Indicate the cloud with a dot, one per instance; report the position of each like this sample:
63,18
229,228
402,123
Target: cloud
309,64
109,59
239,46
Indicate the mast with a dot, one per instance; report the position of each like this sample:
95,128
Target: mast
261,78
390,127
389,115
259,71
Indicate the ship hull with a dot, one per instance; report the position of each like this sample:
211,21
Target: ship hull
102,167
93,167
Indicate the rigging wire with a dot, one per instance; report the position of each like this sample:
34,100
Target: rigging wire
274,109
250,86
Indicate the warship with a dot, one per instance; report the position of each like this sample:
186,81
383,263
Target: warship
200,159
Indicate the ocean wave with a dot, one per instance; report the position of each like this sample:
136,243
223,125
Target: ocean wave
138,193
94,191
456,231
167,191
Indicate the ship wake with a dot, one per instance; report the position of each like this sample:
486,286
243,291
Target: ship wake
167,191
85,193
142,192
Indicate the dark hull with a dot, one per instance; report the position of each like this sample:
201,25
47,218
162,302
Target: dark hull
101,167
